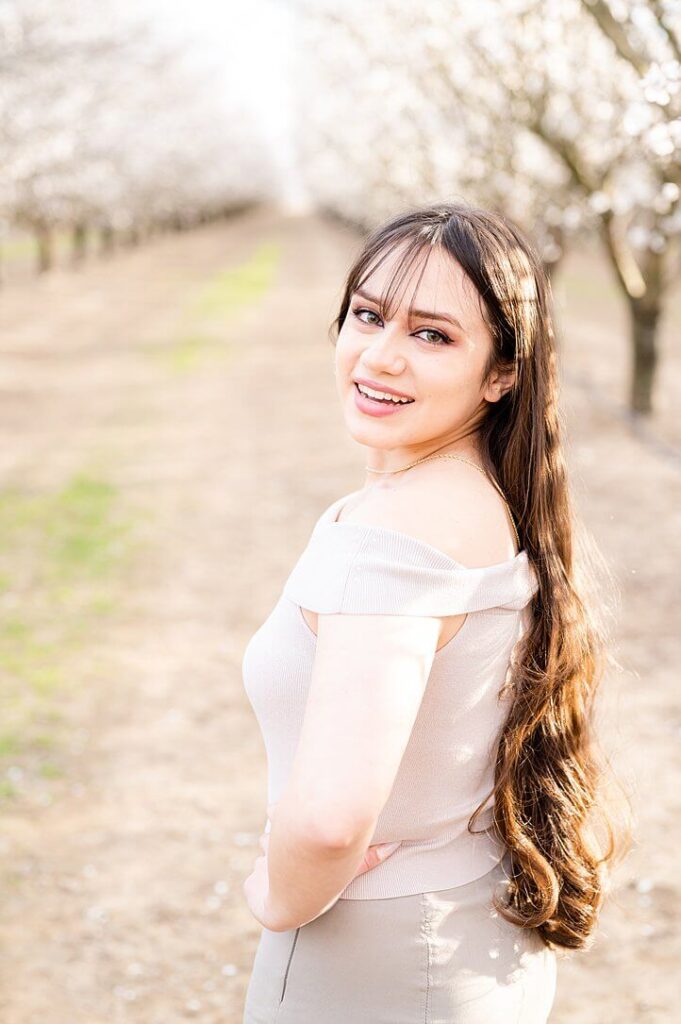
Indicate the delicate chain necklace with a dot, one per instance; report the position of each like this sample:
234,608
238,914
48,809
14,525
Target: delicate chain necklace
459,458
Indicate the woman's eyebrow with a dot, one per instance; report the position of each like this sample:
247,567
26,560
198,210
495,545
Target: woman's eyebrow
422,313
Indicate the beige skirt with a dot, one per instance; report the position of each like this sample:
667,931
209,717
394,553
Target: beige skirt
443,957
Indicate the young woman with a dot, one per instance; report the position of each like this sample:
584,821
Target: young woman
424,684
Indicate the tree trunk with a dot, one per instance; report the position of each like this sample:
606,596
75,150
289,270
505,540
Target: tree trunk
550,268
106,239
644,323
553,248
641,277
79,243
43,237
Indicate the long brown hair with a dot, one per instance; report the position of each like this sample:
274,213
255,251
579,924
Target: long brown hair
549,793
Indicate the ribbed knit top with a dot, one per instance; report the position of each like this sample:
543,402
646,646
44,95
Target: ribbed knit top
448,765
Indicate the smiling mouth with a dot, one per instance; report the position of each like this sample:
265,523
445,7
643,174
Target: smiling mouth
382,401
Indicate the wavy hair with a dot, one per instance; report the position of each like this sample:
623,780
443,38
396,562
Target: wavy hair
551,808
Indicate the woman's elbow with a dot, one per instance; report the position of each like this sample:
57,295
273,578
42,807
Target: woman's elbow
339,830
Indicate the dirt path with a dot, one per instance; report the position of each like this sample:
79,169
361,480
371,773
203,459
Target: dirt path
121,880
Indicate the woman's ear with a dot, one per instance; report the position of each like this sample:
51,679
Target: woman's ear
498,384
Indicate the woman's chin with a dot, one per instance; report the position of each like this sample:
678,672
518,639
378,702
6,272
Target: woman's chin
368,433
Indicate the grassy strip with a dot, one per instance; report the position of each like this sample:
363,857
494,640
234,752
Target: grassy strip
61,555
219,300
22,248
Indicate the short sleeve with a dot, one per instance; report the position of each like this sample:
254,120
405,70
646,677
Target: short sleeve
354,568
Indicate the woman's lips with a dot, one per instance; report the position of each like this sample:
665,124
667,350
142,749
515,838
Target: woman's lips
376,408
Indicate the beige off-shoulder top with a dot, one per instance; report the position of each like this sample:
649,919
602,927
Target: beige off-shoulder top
448,765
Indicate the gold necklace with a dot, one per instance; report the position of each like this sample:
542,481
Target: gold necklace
459,458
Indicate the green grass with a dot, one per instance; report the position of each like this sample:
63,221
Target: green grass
9,744
231,289
61,554
22,248
7,790
186,353
201,335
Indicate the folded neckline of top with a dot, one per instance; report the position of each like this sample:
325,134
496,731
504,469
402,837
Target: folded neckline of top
328,518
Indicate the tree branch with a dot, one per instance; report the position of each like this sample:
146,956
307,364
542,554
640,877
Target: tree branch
617,34
672,38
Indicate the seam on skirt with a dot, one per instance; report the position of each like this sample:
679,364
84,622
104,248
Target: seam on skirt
425,932
288,967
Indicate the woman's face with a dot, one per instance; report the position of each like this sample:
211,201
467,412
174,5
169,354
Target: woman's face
437,361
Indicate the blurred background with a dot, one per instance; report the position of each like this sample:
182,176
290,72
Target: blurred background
182,188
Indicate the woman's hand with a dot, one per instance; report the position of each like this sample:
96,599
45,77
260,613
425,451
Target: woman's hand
256,888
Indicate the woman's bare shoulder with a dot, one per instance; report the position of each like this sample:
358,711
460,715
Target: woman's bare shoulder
454,509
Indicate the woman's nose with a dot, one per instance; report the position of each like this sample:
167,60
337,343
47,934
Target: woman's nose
384,351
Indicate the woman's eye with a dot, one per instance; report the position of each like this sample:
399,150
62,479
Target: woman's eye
441,339
438,338
359,309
